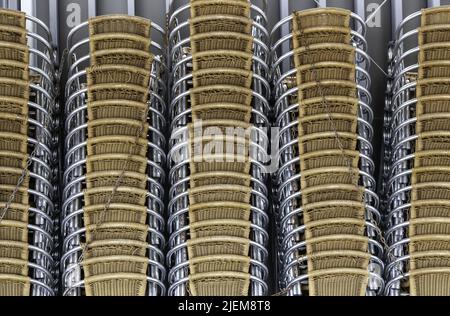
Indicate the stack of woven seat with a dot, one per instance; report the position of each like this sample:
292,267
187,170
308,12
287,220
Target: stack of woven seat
429,228
14,95
220,181
332,198
115,211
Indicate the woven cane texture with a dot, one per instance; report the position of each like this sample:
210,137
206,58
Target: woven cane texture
429,227
331,197
115,211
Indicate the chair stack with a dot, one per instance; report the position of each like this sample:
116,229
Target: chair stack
220,181
332,198
429,228
115,211
14,95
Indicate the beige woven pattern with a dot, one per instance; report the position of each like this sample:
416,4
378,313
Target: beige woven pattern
332,200
429,227
118,80
220,183
14,95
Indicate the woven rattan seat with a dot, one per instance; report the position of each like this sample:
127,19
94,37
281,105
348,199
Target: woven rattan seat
13,123
116,23
221,162
219,94
129,57
219,263
11,142
14,285
423,243
431,191
123,109
325,71
116,284
430,259
333,209
116,212
431,141
432,122
16,212
220,23
321,17
433,104
327,87
433,86
117,91
14,249
99,74
219,210
11,176
222,59
338,243
117,145
332,192
338,282
17,106
327,260
222,76
321,34
329,158
331,175
110,231
118,40
436,15
12,18
117,247
110,178
21,195
328,122
214,193
429,226
221,41
218,245
13,266
433,34
434,69
14,231
430,282
13,34
430,208
212,7
108,162
221,227
330,52
14,88
432,158
327,141
219,178
115,264
14,52
127,195
13,69
329,104
430,174
219,284
335,226
222,111
222,129
117,126
434,52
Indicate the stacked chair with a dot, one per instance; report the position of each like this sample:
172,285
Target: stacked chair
417,179
327,210
27,157
113,198
218,198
